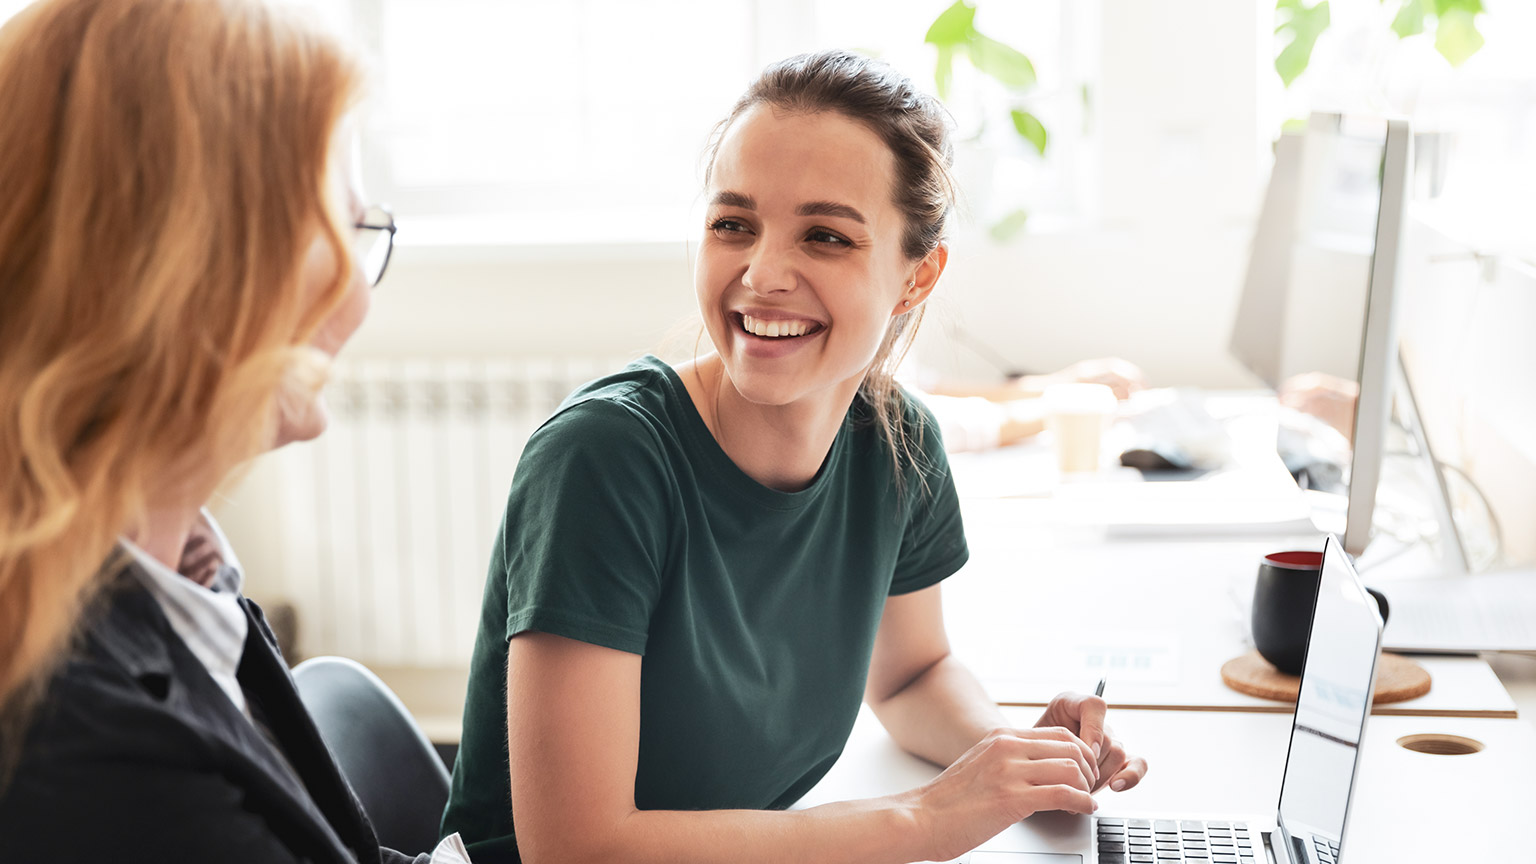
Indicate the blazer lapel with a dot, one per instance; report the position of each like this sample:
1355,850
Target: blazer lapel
135,631
265,677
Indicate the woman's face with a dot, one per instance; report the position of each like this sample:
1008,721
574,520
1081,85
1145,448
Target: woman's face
800,269
306,422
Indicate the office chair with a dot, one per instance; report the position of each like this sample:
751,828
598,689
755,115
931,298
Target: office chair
382,752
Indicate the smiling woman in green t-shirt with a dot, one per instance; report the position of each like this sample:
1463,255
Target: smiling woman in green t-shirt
702,570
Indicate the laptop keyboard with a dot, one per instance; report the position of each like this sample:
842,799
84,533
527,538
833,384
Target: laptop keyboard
1163,841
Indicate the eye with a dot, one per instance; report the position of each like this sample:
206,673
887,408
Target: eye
727,226
822,236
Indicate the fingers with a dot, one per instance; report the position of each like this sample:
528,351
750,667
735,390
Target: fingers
1052,784
1130,775
1083,715
1056,741
1090,723
1054,772
1061,798
1114,759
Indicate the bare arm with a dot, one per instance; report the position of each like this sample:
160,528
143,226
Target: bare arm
573,713
1119,375
935,708
930,703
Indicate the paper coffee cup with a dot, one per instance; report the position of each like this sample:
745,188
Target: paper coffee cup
1077,416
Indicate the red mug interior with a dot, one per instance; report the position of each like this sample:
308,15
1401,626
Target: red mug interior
1296,560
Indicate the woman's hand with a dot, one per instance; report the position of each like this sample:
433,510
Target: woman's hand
1083,716
1121,376
1006,777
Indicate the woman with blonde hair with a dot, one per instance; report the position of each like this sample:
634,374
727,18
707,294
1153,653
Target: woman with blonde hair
181,254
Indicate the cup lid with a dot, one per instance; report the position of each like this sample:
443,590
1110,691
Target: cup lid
1079,399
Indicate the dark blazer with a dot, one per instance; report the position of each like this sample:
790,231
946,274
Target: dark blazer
135,754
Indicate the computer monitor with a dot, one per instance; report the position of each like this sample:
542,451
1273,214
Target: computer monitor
1320,290
1378,352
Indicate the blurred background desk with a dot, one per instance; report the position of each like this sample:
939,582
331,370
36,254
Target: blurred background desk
1044,607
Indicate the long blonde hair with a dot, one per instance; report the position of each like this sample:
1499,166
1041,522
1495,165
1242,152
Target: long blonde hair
164,167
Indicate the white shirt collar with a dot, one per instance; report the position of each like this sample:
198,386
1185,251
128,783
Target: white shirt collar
209,620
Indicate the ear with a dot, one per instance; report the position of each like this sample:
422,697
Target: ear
924,278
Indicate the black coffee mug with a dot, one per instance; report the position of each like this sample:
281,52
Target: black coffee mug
1282,607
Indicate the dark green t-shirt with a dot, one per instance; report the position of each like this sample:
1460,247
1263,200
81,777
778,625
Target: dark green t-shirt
756,610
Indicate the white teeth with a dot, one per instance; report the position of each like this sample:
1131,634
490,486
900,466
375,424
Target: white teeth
775,329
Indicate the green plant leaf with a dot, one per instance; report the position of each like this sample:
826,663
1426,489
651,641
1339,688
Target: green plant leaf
1410,19
1002,62
1472,7
1456,36
1009,226
1030,127
1304,24
954,26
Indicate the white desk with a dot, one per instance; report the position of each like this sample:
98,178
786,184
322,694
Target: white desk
1517,672
1409,807
1043,608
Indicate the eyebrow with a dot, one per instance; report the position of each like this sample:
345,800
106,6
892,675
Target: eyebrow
829,208
735,199
809,208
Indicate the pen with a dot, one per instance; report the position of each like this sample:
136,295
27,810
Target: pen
1099,692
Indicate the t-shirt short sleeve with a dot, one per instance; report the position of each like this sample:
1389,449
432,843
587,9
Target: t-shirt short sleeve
584,540
933,541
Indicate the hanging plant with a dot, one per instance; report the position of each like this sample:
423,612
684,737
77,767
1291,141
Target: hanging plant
954,34
1454,23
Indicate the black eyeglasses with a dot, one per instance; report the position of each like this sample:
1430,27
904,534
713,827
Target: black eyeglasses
375,241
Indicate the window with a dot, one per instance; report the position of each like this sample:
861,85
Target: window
549,122
523,122
585,121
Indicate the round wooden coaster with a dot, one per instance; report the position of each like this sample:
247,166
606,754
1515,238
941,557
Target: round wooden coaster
1397,679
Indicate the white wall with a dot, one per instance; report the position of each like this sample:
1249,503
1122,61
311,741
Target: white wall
1466,332
547,301
1152,274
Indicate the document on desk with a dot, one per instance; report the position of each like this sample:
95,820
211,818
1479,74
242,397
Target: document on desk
1020,471
1075,656
1462,614
1190,509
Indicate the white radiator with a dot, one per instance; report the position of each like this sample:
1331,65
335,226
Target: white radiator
389,518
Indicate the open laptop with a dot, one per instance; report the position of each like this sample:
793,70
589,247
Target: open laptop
1328,730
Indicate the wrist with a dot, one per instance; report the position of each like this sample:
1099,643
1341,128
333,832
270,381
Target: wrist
906,820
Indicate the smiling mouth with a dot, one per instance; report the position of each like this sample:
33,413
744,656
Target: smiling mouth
791,328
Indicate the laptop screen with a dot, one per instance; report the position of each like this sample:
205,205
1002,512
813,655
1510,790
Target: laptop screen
1336,684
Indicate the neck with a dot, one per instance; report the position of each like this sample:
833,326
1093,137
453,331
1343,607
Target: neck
164,530
779,446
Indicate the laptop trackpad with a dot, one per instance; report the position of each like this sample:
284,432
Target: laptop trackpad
1023,858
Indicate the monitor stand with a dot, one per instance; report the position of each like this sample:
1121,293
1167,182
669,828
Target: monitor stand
1453,551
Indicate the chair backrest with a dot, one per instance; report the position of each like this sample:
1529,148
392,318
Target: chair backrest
391,765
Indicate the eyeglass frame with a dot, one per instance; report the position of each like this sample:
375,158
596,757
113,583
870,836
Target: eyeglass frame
389,250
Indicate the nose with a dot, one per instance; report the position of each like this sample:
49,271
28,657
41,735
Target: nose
769,270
